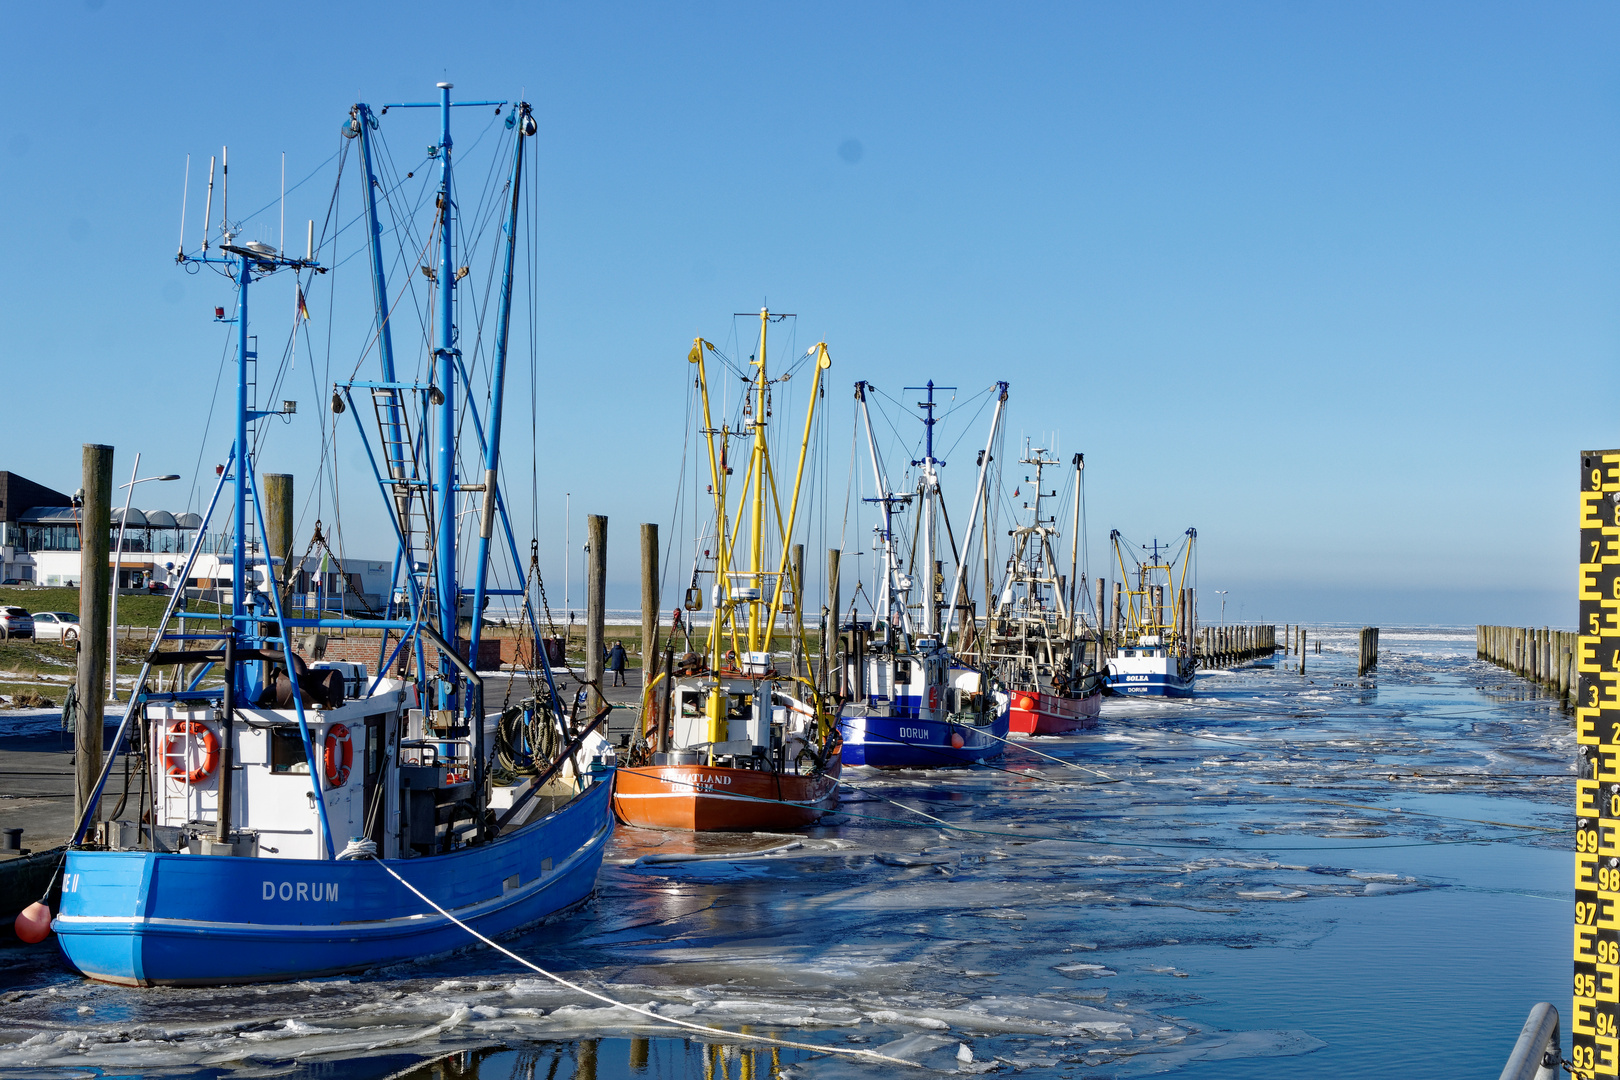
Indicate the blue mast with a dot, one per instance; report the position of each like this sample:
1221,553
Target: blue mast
444,450
442,396
244,278
361,124
525,125
244,627
389,396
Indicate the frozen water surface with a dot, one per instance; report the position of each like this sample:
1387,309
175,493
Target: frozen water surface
1288,875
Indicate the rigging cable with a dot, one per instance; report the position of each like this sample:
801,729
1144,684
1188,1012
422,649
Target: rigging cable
864,1055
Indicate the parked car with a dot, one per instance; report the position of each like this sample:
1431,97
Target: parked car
60,626
15,622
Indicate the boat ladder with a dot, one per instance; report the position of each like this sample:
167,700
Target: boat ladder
412,508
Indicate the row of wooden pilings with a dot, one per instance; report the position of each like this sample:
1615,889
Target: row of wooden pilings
1367,654
1543,656
1220,646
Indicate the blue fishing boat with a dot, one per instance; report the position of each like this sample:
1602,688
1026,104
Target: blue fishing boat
913,701
290,814
1155,619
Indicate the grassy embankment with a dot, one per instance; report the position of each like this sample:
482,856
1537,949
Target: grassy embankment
25,664
46,667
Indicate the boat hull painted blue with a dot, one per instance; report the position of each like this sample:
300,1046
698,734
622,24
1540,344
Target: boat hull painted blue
148,919
889,742
1160,683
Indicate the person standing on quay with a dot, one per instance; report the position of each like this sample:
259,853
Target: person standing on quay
616,663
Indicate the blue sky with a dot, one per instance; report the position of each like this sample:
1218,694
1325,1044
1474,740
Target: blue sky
1334,284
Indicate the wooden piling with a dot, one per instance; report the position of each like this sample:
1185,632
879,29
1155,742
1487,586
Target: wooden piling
595,604
1544,656
94,593
1119,613
1367,654
831,640
1102,622
650,601
278,527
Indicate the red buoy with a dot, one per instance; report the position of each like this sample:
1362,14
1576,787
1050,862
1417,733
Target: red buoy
956,742
1026,703
34,924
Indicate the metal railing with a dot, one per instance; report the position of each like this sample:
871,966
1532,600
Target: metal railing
1536,1055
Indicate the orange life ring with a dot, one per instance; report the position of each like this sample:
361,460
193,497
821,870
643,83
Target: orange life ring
933,697
339,755
175,756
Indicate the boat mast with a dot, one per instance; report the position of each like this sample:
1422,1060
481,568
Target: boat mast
492,445
717,486
245,628
1074,551
361,125
889,599
444,382
1035,555
928,491
785,578
1049,560
979,497
756,523
240,544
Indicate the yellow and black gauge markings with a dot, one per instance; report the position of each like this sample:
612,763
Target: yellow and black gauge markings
1596,1012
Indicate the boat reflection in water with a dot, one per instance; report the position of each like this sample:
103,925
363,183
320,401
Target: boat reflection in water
610,1059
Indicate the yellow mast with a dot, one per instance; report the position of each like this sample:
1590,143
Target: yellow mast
1149,620
756,552
784,573
758,485
717,478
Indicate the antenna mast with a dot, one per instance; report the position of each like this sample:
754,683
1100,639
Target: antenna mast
185,189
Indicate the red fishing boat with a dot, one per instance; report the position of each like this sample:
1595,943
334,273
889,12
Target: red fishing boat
1038,635
1040,712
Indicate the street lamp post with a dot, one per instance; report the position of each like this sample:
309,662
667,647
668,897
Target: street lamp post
1222,594
118,559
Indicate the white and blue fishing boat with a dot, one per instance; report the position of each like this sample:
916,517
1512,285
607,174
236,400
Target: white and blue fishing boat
1155,618
289,816
915,702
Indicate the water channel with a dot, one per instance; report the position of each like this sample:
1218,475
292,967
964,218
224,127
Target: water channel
1290,874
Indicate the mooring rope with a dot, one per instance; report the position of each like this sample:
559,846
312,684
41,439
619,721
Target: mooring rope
1049,757
865,1055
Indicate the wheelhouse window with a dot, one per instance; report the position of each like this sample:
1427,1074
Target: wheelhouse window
287,752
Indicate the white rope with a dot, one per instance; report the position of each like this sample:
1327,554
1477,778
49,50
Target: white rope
869,1055
892,802
359,848
1049,757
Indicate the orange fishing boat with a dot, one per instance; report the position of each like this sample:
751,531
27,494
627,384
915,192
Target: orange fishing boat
733,737
700,798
